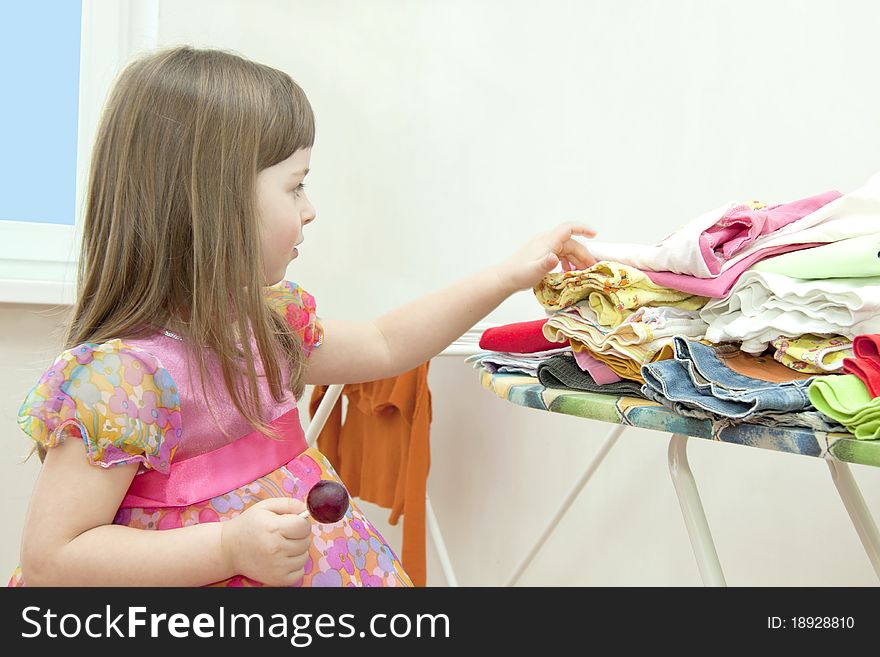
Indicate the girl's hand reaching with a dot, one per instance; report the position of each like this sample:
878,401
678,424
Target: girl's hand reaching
269,542
540,255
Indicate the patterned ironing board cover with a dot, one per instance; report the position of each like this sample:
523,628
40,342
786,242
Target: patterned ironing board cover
527,391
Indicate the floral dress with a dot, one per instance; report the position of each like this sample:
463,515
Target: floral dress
136,401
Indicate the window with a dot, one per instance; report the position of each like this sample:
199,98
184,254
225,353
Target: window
40,64
59,60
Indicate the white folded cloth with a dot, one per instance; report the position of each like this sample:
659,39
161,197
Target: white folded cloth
763,306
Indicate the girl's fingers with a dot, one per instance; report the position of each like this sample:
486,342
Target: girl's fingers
293,527
294,549
576,229
587,260
297,562
580,254
572,255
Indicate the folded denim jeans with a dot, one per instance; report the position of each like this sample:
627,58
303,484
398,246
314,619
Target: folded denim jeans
809,419
698,378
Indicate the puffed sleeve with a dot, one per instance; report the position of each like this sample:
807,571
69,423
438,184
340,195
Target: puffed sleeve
116,397
298,307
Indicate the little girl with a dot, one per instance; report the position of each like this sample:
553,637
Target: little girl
172,450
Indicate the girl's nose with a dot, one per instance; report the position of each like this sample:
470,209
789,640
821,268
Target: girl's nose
309,214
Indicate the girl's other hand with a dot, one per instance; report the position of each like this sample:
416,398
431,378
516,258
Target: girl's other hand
269,542
540,255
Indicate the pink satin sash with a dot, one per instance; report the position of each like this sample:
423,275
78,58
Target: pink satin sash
219,471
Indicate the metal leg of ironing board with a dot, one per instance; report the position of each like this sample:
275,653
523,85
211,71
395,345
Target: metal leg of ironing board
857,509
692,511
567,502
322,413
439,543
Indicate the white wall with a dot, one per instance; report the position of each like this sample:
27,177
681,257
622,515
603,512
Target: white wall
449,132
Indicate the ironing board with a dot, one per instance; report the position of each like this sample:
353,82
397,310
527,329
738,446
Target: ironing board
837,450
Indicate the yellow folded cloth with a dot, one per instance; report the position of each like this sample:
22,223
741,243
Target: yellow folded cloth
613,291
638,337
627,368
814,354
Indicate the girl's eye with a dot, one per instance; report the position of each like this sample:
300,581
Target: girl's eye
299,188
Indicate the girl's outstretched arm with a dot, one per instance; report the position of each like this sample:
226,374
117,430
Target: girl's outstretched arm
353,352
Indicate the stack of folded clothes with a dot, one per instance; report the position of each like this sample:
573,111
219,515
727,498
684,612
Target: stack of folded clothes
614,315
643,337
749,313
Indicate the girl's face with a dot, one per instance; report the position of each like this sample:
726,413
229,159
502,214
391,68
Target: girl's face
283,209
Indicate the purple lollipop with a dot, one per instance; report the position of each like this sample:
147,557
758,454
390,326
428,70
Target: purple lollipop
326,502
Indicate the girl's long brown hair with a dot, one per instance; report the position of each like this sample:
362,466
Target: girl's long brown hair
170,232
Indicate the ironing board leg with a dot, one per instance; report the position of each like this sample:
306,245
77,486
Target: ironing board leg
567,502
322,413
857,509
439,543
692,511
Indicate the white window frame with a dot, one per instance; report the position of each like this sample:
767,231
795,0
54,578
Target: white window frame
38,260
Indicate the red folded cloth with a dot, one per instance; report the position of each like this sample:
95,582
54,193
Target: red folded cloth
518,338
866,364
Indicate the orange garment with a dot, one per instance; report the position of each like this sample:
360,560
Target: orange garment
382,452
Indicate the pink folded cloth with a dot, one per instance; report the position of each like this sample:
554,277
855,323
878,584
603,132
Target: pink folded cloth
741,226
600,372
720,286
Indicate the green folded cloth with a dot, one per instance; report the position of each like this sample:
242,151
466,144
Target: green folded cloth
843,397
855,257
